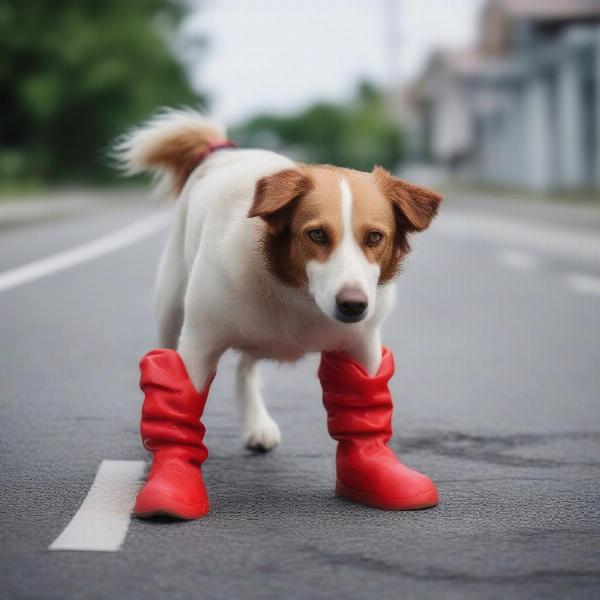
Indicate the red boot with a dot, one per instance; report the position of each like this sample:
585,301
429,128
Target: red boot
359,417
171,430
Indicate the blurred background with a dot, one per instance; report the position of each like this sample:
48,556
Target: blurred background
496,93
496,329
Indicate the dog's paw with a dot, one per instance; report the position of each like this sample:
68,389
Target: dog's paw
263,436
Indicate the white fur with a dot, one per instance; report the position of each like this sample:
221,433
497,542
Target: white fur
214,290
347,266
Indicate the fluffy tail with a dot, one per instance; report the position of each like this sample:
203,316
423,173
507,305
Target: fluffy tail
168,145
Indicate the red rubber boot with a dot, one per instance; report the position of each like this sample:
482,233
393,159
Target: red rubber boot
359,417
171,430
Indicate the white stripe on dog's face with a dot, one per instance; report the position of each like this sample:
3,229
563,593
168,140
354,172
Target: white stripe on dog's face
346,270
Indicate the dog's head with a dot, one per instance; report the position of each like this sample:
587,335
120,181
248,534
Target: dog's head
339,233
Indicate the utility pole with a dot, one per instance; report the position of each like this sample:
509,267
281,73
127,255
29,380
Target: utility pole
392,29
391,14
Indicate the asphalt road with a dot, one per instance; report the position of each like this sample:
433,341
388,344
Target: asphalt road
496,335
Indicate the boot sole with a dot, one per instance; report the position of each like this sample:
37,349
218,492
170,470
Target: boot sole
422,501
160,506
165,513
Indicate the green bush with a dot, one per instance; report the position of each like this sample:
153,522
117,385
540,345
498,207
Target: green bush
358,134
76,73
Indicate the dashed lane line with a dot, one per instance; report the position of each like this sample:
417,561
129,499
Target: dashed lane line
83,253
521,261
583,284
578,282
541,238
102,521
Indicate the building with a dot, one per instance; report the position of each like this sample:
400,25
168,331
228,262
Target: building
522,107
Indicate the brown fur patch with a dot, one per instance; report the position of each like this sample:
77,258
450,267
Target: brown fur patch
274,193
414,209
296,201
179,153
276,198
418,205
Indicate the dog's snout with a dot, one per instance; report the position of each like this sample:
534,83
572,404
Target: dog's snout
351,305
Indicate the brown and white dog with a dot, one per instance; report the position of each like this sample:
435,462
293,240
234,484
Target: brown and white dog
271,257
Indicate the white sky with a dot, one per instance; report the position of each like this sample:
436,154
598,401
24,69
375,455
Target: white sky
279,55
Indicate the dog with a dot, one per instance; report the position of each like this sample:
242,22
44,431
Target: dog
270,257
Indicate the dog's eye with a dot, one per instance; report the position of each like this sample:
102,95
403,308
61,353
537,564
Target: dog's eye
318,236
374,238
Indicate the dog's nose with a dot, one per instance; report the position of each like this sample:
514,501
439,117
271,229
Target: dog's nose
351,304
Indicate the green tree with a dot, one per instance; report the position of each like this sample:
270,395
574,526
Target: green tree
76,73
356,134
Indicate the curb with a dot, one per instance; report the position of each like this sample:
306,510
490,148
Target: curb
57,205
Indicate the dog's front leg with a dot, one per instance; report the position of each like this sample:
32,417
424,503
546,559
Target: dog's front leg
200,354
359,416
259,430
366,349
176,386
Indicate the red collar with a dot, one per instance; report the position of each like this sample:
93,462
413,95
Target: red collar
213,147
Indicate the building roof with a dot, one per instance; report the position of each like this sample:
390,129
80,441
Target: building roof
490,57
463,61
498,17
548,9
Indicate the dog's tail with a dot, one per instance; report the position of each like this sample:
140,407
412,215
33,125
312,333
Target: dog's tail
169,145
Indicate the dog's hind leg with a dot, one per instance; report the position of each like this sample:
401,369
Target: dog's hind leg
260,432
171,283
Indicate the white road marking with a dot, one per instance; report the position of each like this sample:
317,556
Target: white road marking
584,284
85,252
515,259
101,522
546,238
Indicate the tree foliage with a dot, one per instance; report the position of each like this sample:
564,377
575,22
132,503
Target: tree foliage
357,134
76,73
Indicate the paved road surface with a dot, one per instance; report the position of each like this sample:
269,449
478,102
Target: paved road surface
497,392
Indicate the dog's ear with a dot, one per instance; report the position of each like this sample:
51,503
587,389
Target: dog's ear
417,206
276,194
